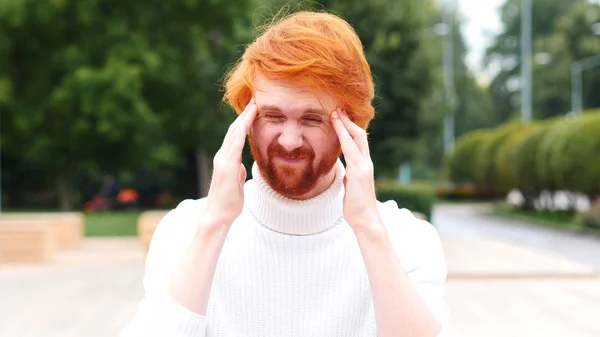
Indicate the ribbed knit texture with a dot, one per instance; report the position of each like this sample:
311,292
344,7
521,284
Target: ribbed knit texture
288,268
291,268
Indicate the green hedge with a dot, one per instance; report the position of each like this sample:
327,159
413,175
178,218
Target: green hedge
562,153
416,198
577,156
524,161
507,157
547,152
460,168
486,172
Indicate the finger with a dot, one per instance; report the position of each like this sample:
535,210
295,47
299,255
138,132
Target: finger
231,130
351,151
356,132
240,133
233,127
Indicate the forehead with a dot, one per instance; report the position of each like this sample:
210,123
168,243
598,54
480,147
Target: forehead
291,97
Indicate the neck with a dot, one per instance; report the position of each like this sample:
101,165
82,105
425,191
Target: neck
317,211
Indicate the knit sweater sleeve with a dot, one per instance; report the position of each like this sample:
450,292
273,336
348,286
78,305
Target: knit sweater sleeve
420,251
157,314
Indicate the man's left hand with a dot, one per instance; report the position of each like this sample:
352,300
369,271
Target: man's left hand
360,201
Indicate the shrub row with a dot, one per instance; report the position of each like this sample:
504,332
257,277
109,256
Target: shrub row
562,153
416,198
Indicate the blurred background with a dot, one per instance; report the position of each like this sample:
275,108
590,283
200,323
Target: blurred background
487,124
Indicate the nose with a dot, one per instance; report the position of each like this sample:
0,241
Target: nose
291,137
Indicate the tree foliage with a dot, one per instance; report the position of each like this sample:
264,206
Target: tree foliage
562,34
110,85
473,108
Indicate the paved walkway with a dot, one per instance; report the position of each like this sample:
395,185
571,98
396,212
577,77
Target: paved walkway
504,280
474,221
512,278
88,292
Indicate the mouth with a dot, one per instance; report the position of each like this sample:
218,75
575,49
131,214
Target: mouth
290,160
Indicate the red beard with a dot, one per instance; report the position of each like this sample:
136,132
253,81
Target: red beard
294,179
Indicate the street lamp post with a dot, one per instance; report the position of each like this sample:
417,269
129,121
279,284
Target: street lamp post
448,62
446,29
526,37
577,69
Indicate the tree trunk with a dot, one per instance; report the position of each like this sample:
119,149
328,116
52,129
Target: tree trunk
64,196
202,171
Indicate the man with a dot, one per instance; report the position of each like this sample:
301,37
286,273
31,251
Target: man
303,248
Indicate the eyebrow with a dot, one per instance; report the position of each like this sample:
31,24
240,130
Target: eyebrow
275,108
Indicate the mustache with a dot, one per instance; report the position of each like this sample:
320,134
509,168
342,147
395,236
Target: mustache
299,153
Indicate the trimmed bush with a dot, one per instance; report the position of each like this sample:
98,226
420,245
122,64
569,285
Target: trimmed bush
459,164
547,156
527,179
508,155
485,162
416,198
577,166
562,153
456,191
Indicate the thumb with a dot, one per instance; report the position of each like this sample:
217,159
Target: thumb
242,174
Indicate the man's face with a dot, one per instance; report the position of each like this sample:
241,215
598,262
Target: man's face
292,139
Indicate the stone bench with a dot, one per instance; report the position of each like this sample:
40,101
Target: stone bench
147,223
67,227
26,240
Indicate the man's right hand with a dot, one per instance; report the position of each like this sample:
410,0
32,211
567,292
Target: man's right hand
225,198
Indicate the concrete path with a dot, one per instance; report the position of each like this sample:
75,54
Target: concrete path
512,278
92,291
525,308
474,221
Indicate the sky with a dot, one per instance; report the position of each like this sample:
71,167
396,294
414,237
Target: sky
481,21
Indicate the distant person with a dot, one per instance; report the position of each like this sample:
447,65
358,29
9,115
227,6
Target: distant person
304,248
110,187
107,197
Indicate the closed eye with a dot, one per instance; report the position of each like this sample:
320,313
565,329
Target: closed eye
313,119
274,116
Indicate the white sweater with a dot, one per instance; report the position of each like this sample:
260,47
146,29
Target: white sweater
288,268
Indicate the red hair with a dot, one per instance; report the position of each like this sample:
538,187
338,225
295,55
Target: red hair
319,50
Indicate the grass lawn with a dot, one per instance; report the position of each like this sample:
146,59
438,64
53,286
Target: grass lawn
559,219
111,223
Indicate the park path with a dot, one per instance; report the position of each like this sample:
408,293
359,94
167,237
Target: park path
506,278
91,291
475,221
512,278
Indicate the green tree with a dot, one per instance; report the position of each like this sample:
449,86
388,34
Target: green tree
473,108
102,85
561,34
573,39
71,104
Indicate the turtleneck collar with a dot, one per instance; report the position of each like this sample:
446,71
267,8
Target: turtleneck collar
295,217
